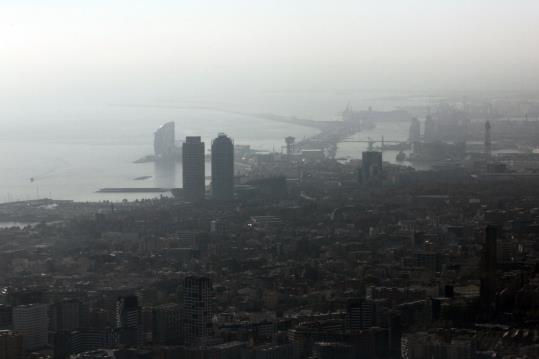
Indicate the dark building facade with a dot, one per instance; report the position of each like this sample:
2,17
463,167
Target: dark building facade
193,169
197,310
11,346
488,273
222,168
128,321
371,167
166,324
360,314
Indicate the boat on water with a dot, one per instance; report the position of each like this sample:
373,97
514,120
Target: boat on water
145,159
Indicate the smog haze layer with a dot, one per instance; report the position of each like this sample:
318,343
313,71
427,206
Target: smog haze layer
107,51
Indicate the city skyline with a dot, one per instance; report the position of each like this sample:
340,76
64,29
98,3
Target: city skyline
235,179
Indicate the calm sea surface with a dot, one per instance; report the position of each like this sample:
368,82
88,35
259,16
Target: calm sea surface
72,151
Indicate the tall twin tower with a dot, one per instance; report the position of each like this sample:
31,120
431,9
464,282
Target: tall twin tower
222,168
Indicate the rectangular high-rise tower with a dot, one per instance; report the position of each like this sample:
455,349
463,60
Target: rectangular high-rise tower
488,273
165,141
194,178
371,168
128,321
360,314
222,168
197,310
32,321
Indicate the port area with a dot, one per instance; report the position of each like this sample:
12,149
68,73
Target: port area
135,190
329,137
339,130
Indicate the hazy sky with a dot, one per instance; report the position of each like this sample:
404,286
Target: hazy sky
152,48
